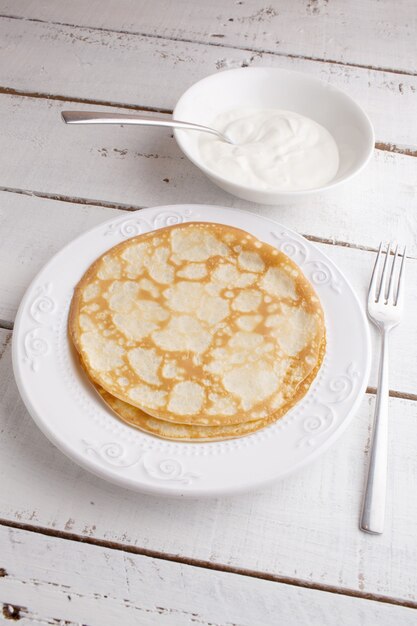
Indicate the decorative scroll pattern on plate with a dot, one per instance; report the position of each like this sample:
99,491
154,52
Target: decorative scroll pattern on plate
319,273
321,417
134,226
112,453
40,310
169,470
118,456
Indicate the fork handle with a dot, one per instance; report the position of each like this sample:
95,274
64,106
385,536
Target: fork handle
373,510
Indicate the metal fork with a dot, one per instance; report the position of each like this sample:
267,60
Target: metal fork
385,304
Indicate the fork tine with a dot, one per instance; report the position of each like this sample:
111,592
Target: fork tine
400,281
374,277
391,274
383,280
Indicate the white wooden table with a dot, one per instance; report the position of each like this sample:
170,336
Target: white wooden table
75,548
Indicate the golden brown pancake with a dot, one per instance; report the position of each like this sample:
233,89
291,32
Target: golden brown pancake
198,324
194,433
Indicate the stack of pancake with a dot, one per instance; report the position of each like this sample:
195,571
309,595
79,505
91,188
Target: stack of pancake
197,332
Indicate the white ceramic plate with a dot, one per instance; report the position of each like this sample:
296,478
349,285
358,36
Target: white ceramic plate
72,416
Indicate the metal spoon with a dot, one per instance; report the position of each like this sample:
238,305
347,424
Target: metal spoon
95,117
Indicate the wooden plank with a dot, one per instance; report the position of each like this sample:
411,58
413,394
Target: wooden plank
52,579
305,527
85,64
373,33
142,167
25,250
53,224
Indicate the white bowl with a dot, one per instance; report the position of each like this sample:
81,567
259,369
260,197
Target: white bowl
281,89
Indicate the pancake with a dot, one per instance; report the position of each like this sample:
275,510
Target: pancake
193,433
198,324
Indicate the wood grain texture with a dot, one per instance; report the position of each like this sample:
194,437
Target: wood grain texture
85,64
144,167
368,33
52,579
303,528
53,224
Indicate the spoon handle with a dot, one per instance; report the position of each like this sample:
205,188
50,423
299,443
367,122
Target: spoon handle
91,117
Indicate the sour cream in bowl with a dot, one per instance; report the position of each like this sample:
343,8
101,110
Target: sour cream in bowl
271,149
292,135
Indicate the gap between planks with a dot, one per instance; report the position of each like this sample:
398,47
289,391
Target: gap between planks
220,567
126,207
8,91
222,44
129,207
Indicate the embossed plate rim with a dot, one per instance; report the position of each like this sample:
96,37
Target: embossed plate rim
154,466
